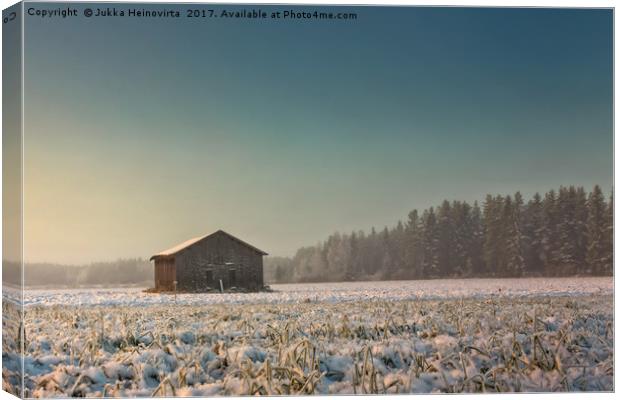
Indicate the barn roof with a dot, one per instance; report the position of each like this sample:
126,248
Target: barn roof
188,243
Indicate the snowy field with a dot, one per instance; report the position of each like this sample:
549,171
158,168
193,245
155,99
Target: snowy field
377,337
335,292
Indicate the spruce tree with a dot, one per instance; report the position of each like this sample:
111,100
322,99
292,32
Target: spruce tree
581,228
513,264
608,238
446,240
475,247
566,230
413,245
493,243
387,262
533,236
353,271
462,237
430,262
399,251
596,254
550,240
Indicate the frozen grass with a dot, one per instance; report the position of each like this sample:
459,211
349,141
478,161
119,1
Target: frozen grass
498,343
10,345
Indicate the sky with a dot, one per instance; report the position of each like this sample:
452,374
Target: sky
143,133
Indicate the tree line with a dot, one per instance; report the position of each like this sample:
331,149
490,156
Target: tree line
564,232
129,272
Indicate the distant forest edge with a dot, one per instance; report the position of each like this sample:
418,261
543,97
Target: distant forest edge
563,233
122,272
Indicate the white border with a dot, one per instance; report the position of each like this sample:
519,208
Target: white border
479,3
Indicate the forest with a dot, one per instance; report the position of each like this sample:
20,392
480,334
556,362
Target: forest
565,232
122,272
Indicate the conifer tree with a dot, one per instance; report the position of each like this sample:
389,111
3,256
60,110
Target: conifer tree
566,206
445,231
493,242
581,227
533,236
413,245
513,264
462,237
476,244
387,262
399,250
595,255
608,237
430,262
551,251
353,267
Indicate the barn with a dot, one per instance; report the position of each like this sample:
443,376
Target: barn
206,262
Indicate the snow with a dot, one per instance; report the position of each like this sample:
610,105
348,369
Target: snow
369,337
333,292
179,247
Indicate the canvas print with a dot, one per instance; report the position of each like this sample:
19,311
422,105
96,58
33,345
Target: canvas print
226,199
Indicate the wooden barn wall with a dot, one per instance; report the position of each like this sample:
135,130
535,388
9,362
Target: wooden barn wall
218,254
164,274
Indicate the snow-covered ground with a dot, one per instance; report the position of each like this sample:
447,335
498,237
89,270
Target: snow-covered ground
334,292
372,337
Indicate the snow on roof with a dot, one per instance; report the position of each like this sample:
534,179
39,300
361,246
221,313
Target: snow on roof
173,250
178,247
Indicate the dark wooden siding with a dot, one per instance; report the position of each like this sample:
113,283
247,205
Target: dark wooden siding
165,274
202,265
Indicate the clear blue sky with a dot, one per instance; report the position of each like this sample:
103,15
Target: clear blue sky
142,133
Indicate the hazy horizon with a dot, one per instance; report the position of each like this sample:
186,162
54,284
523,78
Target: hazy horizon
141,134
367,229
